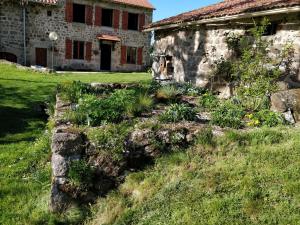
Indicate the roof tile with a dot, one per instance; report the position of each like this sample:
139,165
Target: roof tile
225,8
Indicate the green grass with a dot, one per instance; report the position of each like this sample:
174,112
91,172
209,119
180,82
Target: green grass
24,147
240,179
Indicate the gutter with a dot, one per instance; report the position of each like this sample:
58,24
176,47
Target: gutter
226,18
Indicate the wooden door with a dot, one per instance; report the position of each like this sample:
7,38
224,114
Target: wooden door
41,57
105,57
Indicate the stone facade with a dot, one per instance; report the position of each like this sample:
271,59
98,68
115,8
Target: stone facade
43,19
194,49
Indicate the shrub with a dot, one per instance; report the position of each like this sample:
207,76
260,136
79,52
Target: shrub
189,89
178,112
228,114
209,101
110,138
73,91
154,86
168,93
265,118
80,173
143,103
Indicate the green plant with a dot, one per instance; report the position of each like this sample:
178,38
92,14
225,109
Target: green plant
209,101
80,173
110,138
73,91
189,89
178,112
143,103
205,137
228,114
265,118
168,93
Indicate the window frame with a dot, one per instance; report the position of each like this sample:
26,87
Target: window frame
137,21
129,51
77,49
82,17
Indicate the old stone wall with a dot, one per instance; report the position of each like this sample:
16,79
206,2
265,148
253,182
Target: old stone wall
40,24
195,49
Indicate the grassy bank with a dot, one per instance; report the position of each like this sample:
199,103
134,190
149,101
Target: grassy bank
240,179
24,145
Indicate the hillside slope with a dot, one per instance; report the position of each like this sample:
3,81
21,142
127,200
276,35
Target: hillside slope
246,178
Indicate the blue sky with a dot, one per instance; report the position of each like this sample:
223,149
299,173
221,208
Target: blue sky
167,8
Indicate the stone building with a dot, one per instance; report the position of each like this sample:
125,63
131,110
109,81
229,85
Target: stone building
186,45
93,35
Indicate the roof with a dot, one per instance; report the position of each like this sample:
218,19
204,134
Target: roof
107,37
225,8
138,3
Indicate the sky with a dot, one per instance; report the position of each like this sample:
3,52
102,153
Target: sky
167,8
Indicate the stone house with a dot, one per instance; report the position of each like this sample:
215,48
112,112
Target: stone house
186,45
93,35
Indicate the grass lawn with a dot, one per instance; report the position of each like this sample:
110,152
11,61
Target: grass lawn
24,147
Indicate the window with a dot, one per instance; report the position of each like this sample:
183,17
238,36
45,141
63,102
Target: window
131,55
133,21
78,13
107,17
270,29
49,13
78,50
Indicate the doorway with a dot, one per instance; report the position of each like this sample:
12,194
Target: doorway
41,57
105,57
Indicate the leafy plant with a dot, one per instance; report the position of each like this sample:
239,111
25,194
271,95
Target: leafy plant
265,118
189,89
80,173
168,93
178,112
73,91
143,103
110,138
228,114
209,101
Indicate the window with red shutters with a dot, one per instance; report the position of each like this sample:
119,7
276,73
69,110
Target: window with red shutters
78,50
89,15
140,56
116,18
125,20
88,51
98,16
107,17
69,11
123,54
133,21
68,49
131,55
141,22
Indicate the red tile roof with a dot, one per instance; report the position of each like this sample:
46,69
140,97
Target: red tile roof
139,3
226,8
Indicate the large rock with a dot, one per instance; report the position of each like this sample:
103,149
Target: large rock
284,100
67,143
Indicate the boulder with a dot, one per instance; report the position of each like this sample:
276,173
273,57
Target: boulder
284,100
67,143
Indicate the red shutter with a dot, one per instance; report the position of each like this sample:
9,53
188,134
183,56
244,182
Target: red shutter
89,15
88,51
141,22
140,56
68,49
125,21
69,11
98,16
116,18
123,54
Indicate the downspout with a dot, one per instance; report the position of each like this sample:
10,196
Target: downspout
24,34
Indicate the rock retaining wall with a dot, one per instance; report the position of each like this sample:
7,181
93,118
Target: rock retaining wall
142,145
